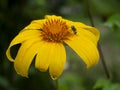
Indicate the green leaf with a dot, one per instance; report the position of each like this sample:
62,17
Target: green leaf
112,87
101,83
104,84
113,22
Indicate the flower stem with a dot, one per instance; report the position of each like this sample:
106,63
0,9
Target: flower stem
57,84
99,46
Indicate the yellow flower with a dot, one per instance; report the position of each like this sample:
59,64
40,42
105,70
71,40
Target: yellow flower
45,39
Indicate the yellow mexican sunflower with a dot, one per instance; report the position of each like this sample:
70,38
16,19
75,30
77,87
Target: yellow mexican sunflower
45,39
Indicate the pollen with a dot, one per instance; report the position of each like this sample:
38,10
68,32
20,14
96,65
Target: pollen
55,30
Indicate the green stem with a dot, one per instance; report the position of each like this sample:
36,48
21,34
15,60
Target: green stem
57,84
99,46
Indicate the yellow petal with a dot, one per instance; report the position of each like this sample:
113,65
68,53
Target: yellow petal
58,60
25,56
35,24
90,29
52,17
42,59
87,31
21,37
93,30
87,34
85,48
51,55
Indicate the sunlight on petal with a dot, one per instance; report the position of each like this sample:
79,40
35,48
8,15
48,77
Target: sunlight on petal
85,49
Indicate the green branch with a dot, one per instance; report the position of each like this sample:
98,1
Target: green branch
99,46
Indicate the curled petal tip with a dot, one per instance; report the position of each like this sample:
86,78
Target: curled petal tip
54,77
24,75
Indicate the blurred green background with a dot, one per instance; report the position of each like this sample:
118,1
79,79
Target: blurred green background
16,14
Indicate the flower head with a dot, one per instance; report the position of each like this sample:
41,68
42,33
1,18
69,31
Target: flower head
45,39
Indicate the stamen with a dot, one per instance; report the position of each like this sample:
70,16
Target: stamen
55,31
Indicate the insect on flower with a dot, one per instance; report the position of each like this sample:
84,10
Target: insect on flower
74,29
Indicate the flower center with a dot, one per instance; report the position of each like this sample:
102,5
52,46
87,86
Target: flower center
55,31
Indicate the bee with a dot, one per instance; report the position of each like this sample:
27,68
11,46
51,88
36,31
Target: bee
74,29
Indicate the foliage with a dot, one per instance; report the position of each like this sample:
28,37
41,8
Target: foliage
113,22
104,84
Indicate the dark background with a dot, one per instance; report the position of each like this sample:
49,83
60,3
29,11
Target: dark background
16,14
